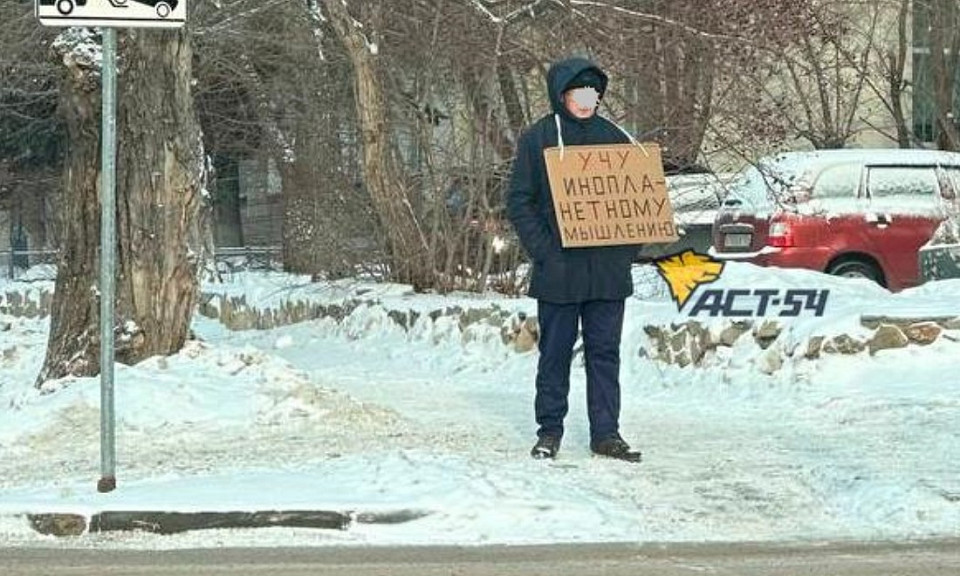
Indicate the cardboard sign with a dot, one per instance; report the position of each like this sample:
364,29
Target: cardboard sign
610,195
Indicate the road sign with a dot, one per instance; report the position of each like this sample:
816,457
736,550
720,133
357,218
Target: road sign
113,13
109,15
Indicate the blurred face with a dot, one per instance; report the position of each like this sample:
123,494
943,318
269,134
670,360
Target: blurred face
581,102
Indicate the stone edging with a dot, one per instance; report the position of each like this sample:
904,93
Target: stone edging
21,306
692,344
167,522
517,330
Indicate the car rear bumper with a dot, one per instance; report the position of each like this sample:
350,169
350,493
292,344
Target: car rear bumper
804,257
747,256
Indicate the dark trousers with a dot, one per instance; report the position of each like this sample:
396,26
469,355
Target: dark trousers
602,324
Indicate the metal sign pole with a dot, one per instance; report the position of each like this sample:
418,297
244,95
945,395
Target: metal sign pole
108,16
108,246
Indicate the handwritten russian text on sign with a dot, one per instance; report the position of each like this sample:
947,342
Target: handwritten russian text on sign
610,195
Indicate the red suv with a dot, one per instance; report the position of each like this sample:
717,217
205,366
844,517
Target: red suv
857,213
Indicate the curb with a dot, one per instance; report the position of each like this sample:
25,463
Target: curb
155,522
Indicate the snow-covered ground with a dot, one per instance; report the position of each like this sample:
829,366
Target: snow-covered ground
364,416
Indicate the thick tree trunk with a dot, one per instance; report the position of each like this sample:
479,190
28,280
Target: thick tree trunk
73,347
160,214
408,245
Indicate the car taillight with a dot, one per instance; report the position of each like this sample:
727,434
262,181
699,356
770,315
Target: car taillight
780,235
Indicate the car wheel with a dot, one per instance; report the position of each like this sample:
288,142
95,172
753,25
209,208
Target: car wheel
856,269
163,10
64,6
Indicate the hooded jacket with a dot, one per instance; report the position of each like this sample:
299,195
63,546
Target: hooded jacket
563,275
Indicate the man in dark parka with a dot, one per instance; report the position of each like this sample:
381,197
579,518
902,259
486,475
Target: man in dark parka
585,286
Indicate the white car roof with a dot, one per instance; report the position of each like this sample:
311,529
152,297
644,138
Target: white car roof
900,156
773,174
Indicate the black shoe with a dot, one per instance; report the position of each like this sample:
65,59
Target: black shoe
615,447
546,447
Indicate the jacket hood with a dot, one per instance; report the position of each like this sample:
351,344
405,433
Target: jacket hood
562,73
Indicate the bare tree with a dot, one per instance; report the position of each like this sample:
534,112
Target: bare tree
392,124
31,135
383,178
896,63
877,46
889,81
823,75
684,68
462,74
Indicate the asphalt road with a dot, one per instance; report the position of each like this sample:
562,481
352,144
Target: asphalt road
941,558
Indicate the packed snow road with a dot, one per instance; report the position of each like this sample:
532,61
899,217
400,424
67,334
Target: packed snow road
928,559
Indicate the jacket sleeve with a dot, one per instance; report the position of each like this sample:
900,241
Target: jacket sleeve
523,202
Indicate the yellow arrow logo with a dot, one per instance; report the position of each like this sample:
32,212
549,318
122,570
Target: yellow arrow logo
685,271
